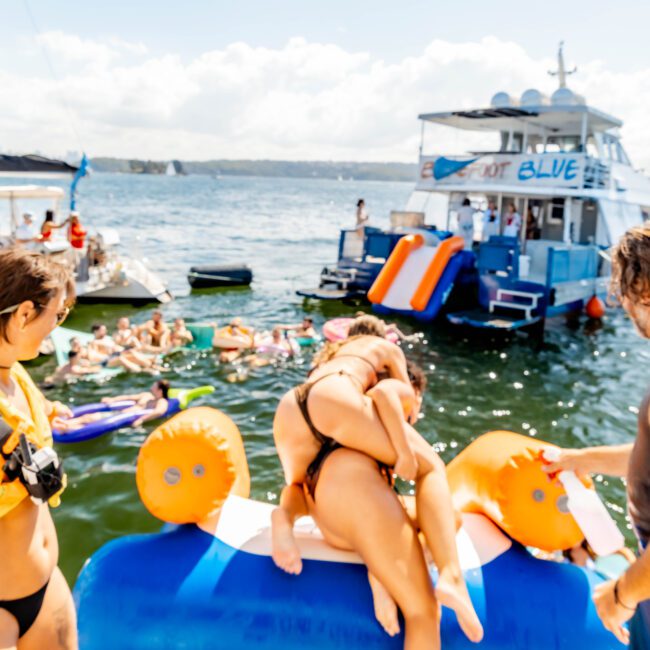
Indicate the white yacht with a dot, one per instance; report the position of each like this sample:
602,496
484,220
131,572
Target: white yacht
563,191
104,272
558,156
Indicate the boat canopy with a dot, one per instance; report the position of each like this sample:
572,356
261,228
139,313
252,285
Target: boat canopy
541,120
30,192
34,165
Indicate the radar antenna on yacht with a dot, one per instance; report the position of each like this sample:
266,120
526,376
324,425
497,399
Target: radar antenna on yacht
562,73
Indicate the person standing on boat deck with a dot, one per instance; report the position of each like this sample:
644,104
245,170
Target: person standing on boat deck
27,234
36,608
48,226
466,223
513,222
362,217
76,232
618,601
490,222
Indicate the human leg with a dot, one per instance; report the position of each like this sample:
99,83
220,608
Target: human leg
286,554
55,628
356,509
439,522
356,425
8,631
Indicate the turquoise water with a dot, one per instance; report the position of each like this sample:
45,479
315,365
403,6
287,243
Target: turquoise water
582,388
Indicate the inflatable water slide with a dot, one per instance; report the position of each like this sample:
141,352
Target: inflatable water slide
418,276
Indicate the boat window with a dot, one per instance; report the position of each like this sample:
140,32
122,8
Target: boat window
516,144
592,147
553,223
564,144
621,156
614,150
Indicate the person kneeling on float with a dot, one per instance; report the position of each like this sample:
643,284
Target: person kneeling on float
155,400
375,425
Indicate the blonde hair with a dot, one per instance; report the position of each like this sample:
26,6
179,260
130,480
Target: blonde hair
367,325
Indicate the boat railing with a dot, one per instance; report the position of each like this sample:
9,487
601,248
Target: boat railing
571,263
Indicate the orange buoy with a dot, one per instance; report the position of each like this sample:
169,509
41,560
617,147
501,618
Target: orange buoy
500,475
595,307
189,465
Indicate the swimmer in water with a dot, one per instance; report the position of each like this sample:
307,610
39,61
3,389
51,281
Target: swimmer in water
180,335
154,400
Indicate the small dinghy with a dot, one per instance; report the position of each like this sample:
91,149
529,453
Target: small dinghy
222,275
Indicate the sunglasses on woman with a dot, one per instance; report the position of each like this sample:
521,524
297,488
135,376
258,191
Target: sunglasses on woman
61,315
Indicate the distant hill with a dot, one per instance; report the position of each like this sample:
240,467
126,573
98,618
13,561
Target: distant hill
365,171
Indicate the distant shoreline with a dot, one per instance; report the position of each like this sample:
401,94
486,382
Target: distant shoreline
360,171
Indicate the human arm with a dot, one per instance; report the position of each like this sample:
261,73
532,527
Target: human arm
157,412
389,398
395,362
616,600
124,398
84,370
56,409
609,460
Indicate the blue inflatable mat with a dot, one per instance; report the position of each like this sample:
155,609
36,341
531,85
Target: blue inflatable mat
187,588
116,418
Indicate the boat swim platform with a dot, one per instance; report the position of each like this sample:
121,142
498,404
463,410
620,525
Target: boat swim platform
483,319
323,293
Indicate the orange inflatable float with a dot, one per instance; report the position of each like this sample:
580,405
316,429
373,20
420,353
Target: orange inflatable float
188,466
500,475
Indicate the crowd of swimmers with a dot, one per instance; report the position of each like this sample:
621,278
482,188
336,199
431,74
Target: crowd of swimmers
139,348
341,436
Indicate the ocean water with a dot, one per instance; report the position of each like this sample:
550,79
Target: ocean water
583,387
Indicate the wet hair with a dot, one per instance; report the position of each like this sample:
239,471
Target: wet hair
164,386
34,277
467,202
96,327
49,215
72,354
416,376
360,202
631,265
367,325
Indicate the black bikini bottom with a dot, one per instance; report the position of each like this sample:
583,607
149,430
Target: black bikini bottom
25,610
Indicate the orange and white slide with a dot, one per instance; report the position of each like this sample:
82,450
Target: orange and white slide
412,272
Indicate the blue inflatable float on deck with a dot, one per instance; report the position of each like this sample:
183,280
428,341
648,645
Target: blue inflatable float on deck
189,588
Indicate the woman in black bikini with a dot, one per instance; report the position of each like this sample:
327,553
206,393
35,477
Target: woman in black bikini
332,410
36,608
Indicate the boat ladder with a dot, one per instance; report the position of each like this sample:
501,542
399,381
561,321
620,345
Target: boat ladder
340,277
525,301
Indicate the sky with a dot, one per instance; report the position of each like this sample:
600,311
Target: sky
289,80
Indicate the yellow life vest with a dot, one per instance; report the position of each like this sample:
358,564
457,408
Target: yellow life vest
37,430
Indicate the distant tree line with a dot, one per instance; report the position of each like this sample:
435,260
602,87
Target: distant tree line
388,171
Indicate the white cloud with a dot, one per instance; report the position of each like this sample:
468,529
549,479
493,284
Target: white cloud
301,101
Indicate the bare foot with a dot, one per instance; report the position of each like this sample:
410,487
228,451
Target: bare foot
451,592
385,607
286,553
